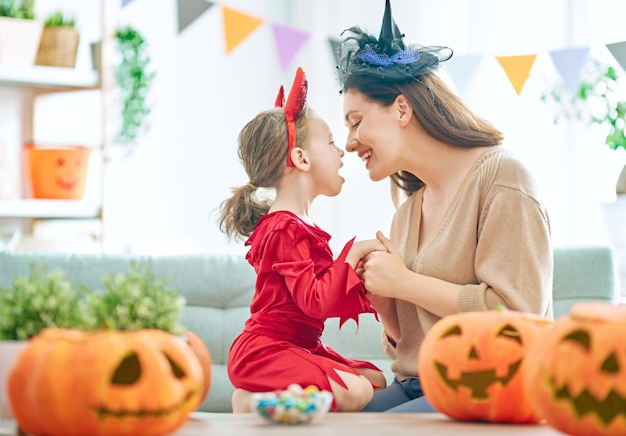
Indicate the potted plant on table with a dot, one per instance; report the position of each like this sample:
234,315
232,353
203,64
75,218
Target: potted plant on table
20,32
40,300
138,373
59,41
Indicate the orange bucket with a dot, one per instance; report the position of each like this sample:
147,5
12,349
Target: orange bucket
57,172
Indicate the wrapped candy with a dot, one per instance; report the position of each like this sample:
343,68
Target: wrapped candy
295,405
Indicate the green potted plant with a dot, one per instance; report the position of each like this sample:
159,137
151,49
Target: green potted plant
59,41
597,100
20,32
600,98
135,300
134,321
44,298
134,80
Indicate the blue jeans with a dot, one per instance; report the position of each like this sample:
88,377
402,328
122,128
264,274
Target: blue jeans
400,397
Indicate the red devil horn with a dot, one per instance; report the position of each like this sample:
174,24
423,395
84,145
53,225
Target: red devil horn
280,98
293,106
297,96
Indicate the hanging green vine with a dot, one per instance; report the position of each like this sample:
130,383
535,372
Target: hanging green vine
134,82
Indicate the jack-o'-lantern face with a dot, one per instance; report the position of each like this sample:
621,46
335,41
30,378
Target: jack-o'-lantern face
133,370
67,170
592,378
470,365
477,358
121,383
578,372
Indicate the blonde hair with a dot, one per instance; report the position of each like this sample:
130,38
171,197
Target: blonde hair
263,154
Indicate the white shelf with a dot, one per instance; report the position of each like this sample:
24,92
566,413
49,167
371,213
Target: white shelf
49,209
52,78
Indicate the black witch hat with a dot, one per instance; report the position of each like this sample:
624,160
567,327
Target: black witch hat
387,57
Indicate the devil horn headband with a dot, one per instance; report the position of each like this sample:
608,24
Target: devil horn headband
293,106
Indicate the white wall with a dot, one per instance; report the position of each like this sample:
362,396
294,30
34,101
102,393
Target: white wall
164,198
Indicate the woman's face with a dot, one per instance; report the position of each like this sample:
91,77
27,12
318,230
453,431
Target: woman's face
372,133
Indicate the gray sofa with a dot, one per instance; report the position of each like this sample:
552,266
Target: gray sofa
218,289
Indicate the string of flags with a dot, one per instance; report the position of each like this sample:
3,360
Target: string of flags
239,26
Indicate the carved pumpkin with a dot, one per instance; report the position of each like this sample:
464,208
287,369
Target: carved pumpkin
58,173
201,351
577,372
68,382
470,365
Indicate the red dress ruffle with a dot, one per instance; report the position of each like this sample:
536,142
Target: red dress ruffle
298,287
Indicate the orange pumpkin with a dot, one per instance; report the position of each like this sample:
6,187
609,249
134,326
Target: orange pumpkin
577,372
68,382
470,365
201,351
58,172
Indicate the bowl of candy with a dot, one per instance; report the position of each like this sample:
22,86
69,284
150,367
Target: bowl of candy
295,405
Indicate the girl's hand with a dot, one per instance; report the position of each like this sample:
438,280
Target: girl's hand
359,250
383,271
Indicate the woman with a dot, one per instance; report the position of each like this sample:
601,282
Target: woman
470,231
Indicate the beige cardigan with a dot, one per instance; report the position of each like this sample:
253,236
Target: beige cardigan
494,239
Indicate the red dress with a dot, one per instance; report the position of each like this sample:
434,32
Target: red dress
298,287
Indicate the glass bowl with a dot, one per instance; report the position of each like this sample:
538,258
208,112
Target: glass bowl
294,405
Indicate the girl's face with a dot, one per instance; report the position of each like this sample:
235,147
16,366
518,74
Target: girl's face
372,133
325,158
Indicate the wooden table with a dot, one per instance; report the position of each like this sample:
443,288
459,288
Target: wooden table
352,424
343,424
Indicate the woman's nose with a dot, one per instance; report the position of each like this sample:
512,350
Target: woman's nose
351,144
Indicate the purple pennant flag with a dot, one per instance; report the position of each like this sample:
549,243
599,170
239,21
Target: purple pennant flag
462,69
288,42
618,50
569,63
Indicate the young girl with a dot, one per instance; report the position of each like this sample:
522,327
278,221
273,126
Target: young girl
299,285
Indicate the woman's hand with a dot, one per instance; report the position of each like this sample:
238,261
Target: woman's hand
383,270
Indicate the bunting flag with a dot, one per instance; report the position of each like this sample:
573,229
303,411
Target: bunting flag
618,50
237,27
288,41
569,63
125,2
517,69
190,10
462,70
335,45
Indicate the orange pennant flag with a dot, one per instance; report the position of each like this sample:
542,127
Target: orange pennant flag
237,27
517,68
